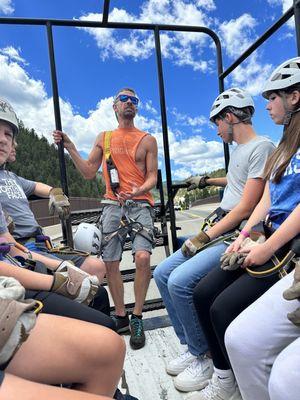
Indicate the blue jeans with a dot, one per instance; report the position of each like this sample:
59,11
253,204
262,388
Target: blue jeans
176,278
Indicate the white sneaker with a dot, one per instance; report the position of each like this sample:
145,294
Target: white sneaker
195,376
214,391
180,363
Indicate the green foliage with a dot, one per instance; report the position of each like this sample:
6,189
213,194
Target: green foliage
37,160
190,197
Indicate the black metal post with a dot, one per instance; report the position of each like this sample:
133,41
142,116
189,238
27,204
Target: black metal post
297,23
66,224
221,89
105,12
165,135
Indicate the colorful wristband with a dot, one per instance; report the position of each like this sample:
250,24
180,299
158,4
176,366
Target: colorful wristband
244,233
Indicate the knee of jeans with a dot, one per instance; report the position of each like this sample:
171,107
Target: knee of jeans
175,285
159,276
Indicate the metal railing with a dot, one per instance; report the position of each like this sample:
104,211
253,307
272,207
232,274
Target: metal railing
156,28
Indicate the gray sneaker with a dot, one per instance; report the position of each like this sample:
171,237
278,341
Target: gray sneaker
137,335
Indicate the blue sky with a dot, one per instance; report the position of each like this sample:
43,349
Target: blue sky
92,64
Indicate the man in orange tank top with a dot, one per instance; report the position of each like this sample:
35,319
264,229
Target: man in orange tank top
133,154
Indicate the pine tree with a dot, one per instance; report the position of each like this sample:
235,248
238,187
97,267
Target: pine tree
37,160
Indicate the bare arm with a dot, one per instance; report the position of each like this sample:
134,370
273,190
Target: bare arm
261,253
41,189
29,279
151,165
89,167
251,196
287,230
261,210
217,181
18,251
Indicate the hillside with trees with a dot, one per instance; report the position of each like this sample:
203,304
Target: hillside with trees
37,160
185,199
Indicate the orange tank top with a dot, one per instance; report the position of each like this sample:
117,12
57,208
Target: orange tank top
123,146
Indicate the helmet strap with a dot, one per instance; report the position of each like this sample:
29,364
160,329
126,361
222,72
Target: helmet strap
230,129
287,112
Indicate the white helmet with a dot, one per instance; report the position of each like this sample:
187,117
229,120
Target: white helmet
233,97
287,74
7,114
87,238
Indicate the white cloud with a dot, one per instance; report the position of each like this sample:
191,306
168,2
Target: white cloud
35,108
187,120
148,106
6,6
13,54
183,48
285,4
251,75
207,4
238,34
196,156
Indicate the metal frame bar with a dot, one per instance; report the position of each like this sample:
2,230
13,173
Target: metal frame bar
269,32
65,223
156,28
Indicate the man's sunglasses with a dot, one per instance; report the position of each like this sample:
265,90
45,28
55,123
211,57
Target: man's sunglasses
124,97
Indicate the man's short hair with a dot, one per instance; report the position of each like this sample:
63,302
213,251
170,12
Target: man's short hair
243,114
125,89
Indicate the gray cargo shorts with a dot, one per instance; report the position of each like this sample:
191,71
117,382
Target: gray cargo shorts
110,221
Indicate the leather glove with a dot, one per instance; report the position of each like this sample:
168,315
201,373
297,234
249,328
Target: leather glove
59,202
196,182
74,283
17,317
191,246
294,317
293,292
232,261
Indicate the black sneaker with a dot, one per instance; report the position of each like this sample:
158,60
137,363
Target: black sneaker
122,323
137,335
120,396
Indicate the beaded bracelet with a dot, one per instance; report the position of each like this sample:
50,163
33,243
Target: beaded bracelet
244,233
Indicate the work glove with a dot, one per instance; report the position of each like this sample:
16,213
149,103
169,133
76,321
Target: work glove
196,182
235,259
17,317
59,202
191,246
292,293
294,317
74,283
232,261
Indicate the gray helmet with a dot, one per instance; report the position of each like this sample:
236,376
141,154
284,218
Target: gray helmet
284,76
7,114
233,97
